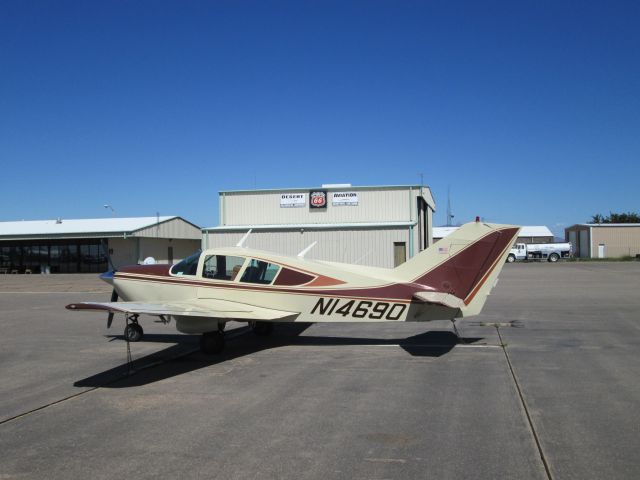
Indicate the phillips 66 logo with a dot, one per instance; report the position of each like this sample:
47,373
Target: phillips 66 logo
318,199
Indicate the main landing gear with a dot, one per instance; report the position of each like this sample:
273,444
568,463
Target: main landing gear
133,332
213,342
262,329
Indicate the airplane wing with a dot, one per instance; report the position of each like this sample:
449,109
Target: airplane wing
197,307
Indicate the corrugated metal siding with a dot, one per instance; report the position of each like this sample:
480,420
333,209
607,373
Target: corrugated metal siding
362,246
124,251
263,208
159,249
133,250
176,228
618,241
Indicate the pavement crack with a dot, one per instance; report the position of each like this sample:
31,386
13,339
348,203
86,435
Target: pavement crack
545,463
232,334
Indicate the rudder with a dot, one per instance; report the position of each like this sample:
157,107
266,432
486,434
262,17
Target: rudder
464,264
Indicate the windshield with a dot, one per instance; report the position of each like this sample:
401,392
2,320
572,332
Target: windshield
188,266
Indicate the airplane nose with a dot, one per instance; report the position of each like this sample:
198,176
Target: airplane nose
108,276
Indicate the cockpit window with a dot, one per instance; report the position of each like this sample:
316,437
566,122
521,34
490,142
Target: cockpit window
222,267
188,266
260,272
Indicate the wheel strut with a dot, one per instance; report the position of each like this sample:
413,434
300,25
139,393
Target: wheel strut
133,332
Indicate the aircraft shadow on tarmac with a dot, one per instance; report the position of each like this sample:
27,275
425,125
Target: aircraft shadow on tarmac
185,357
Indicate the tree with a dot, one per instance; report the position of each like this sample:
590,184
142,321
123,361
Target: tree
629,217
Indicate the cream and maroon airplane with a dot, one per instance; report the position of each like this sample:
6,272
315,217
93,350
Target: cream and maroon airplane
449,280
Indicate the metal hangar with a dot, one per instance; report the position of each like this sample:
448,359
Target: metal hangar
82,245
378,226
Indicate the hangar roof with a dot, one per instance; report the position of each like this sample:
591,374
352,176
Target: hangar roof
81,227
606,225
535,231
309,226
441,232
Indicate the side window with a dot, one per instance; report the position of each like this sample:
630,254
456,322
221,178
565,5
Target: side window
188,266
222,267
260,272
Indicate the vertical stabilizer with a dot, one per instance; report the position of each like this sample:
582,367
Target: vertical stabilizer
465,264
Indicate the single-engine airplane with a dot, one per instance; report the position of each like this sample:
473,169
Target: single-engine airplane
449,280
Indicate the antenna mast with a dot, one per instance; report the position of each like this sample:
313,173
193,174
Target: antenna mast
449,214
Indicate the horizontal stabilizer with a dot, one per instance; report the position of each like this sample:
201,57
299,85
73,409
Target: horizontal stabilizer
198,307
439,298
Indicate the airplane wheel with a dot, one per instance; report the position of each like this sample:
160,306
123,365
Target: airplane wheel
212,342
133,332
262,329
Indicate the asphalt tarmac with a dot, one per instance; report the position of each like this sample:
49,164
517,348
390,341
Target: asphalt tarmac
546,385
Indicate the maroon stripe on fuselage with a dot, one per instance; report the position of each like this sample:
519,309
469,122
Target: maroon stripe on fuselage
460,274
397,291
159,270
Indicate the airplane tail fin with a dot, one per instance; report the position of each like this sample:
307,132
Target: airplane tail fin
463,267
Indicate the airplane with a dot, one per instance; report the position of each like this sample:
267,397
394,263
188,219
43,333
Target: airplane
449,280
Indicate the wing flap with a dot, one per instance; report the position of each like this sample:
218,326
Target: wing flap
210,308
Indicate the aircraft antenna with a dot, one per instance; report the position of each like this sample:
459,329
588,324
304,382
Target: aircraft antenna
449,214
244,239
306,250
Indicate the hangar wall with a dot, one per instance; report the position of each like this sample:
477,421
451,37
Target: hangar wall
175,228
132,250
375,204
618,241
359,246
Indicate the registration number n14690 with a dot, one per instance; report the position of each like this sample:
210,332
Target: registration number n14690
359,309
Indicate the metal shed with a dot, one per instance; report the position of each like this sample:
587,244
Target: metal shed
604,240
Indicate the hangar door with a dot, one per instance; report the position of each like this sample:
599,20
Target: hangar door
573,241
585,248
399,253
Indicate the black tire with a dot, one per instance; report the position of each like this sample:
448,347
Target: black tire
511,258
212,343
554,257
262,329
133,332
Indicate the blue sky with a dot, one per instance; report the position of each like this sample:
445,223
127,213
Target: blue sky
528,111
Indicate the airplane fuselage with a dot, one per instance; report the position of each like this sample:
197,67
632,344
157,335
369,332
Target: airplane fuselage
339,300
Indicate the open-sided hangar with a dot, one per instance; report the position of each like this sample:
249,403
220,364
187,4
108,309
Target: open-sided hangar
378,226
81,245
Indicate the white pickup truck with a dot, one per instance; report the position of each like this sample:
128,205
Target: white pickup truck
551,252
